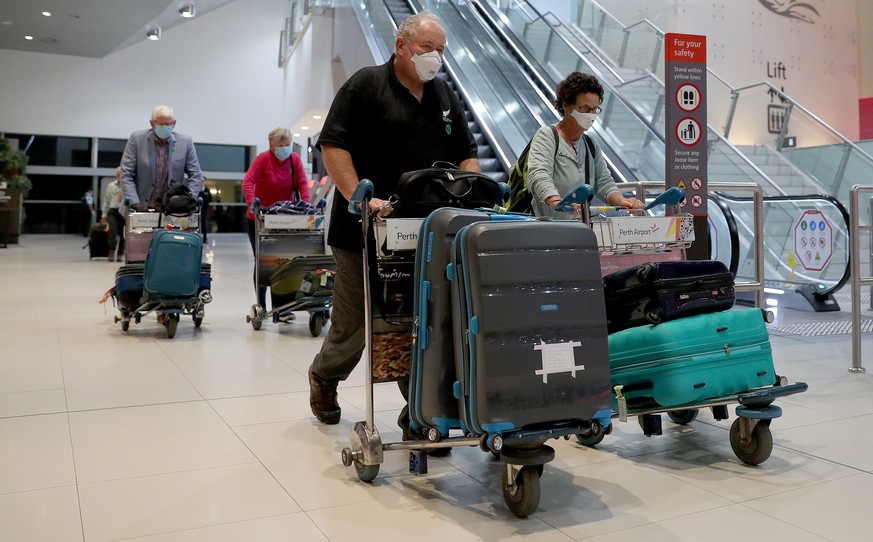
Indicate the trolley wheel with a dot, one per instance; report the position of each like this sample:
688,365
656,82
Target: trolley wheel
366,473
125,325
255,317
759,445
198,321
683,417
137,317
172,322
524,497
590,439
316,321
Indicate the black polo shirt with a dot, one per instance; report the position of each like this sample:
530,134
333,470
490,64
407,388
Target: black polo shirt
388,132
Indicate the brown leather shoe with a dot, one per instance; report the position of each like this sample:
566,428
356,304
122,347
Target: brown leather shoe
322,399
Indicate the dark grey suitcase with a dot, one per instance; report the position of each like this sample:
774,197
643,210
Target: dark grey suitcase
531,345
432,403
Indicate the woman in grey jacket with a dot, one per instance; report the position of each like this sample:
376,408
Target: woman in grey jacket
553,173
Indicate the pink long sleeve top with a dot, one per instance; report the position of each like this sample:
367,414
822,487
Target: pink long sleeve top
271,181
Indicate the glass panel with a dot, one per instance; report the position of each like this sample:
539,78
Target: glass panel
56,150
109,152
54,205
232,158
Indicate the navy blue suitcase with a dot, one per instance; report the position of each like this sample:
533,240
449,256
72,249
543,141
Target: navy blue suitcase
432,403
531,348
660,291
128,284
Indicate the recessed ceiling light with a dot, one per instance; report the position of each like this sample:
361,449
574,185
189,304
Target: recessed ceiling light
304,127
28,38
47,13
295,135
316,117
154,34
188,10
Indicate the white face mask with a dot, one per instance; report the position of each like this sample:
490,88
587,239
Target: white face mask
427,65
585,120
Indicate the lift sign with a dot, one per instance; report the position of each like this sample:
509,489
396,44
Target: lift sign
813,240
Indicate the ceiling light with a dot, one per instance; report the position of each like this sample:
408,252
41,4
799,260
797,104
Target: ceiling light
188,10
28,38
47,13
295,134
316,117
154,34
304,127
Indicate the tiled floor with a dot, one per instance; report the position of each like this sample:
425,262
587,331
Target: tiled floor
107,435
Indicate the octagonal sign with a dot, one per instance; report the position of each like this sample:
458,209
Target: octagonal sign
813,240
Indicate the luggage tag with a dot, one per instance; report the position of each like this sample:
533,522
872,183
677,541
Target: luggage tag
622,403
306,284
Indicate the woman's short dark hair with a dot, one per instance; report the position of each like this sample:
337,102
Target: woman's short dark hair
575,84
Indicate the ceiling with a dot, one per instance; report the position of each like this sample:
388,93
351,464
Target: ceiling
88,28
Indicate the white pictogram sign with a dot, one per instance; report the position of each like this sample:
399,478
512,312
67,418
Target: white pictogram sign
813,240
558,358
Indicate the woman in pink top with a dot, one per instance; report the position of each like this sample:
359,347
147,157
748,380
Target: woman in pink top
275,175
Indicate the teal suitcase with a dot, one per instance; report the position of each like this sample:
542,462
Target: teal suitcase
692,359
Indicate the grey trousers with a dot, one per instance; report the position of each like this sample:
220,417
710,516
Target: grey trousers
345,341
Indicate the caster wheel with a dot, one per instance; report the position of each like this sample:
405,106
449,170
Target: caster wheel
366,473
759,445
255,317
125,325
433,434
316,321
683,417
137,318
591,439
172,323
524,497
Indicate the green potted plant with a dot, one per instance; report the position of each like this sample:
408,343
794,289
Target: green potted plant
14,187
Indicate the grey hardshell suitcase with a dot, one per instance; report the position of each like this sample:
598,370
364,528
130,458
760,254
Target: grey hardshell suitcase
432,403
531,347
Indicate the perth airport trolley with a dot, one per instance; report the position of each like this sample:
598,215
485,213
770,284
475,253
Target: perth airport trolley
163,270
628,239
290,260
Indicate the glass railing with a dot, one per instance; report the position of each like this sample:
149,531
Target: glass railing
633,118
759,115
806,240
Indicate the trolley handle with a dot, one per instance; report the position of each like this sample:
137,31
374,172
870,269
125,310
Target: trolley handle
581,195
363,192
673,196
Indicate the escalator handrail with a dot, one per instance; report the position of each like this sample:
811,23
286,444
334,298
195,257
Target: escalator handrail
733,231
844,213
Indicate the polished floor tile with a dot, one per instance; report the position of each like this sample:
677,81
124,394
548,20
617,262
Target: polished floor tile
107,435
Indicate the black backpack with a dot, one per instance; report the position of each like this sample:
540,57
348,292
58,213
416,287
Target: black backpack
520,199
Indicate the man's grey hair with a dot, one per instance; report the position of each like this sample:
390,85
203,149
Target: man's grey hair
163,111
278,135
408,29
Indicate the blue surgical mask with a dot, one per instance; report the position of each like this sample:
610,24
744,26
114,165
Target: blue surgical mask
163,131
282,153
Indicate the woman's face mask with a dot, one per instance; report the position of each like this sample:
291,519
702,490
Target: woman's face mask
282,153
427,65
585,120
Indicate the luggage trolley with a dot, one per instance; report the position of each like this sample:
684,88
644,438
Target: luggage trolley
290,259
523,452
170,282
627,239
